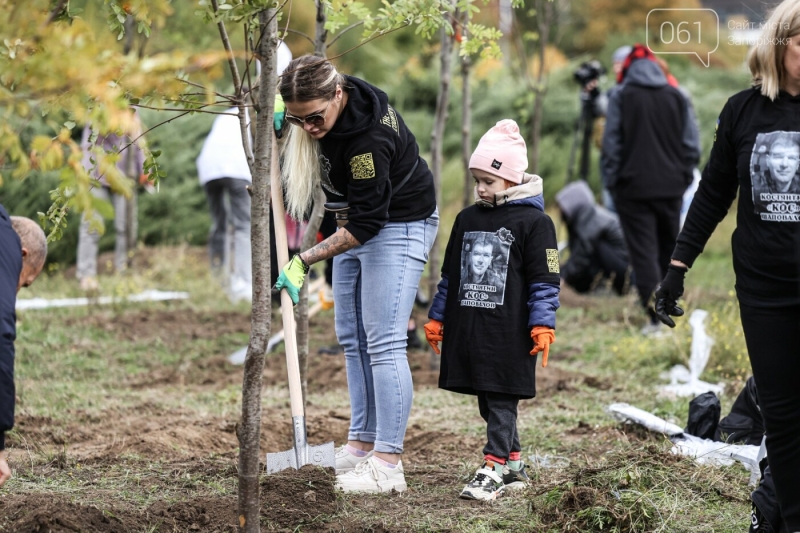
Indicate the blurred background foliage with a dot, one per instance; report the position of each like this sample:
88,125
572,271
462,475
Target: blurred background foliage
405,66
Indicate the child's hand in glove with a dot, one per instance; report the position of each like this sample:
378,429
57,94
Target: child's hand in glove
292,277
434,330
542,337
668,292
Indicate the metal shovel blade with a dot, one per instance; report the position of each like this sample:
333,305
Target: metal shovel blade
302,454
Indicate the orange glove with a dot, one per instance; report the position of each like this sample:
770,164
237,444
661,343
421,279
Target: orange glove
542,337
434,330
326,298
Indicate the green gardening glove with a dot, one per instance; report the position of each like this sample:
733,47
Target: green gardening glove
278,115
292,277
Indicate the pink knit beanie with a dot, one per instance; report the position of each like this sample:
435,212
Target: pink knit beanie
502,152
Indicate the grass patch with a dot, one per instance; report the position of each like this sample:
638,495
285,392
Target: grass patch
131,410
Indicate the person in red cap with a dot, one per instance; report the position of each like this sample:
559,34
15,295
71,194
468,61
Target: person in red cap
650,148
500,275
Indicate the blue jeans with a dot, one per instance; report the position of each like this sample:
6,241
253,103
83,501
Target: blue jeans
374,286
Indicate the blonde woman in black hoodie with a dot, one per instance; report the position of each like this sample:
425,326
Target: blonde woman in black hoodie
347,138
766,243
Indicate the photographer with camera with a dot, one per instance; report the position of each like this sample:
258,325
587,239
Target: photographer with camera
650,148
593,105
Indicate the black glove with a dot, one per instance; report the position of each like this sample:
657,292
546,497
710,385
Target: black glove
667,294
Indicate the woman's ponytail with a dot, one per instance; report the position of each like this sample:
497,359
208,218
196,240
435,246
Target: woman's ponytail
300,169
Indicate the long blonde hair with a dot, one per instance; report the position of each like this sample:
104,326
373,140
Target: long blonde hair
766,57
306,78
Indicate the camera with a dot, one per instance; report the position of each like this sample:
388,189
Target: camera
588,71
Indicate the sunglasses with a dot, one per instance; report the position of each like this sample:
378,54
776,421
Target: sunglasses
314,119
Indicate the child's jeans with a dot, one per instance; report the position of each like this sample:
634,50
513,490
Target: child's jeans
499,410
374,286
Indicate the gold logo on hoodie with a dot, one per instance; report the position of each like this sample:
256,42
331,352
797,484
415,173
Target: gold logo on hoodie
552,260
362,167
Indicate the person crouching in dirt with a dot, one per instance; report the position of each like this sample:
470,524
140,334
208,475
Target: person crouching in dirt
348,139
486,328
597,252
23,249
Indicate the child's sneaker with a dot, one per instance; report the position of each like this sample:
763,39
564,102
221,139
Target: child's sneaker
371,476
346,461
486,485
515,479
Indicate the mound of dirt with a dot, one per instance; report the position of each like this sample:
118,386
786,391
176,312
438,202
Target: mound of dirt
289,500
294,500
207,514
44,513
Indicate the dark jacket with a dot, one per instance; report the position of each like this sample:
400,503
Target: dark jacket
766,243
487,342
10,267
650,141
588,225
365,157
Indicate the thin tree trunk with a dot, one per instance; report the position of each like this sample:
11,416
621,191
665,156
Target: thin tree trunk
321,36
310,235
544,10
309,240
439,122
249,432
466,119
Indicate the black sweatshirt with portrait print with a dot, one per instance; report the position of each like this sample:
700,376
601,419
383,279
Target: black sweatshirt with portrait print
366,155
766,243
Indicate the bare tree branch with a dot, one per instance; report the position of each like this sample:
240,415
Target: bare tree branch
154,127
193,84
180,110
301,34
341,33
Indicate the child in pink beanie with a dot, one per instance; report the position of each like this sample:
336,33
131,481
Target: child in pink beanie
496,303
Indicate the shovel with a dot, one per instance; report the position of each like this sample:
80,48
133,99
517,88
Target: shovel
302,454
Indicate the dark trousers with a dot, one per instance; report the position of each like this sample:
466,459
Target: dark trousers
7,391
500,413
235,211
773,337
650,228
606,263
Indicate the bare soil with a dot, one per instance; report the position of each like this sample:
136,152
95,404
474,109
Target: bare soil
288,500
186,443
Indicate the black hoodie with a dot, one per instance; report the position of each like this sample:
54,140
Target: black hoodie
366,155
650,142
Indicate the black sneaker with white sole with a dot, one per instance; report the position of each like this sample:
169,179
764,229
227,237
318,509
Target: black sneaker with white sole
486,485
515,479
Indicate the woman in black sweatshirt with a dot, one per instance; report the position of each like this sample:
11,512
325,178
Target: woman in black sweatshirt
346,138
756,145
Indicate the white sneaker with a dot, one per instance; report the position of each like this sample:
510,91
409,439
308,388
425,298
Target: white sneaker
240,290
371,476
346,461
486,485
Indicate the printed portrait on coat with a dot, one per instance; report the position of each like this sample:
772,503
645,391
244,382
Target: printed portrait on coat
774,167
484,268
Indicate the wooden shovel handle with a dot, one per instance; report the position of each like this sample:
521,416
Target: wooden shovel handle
287,308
